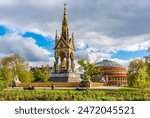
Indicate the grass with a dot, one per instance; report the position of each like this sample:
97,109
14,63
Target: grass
124,94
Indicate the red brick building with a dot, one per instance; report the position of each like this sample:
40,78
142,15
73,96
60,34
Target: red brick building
113,74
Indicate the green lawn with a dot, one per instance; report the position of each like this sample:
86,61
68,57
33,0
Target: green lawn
124,94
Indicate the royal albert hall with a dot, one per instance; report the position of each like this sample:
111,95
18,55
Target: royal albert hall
113,74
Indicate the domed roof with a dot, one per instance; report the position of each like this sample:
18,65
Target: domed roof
108,63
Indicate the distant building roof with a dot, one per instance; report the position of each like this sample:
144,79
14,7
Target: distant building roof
108,63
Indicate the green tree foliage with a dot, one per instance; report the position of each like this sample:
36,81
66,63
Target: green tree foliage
25,76
13,65
37,73
90,72
41,74
6,75
2,84
148,61
138,74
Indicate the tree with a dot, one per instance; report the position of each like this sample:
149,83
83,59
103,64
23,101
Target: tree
41,74
45,73
2,83
148,61
25,76
6,75
142,79
138,74
13,65
14,62
90,71
37,73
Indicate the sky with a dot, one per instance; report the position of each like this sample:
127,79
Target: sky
118,30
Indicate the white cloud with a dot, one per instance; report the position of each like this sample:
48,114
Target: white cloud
124,25
103,47
98,42
92,56
49,62
121,17
26,47
135,43
7,2
124,63
33,3
82,54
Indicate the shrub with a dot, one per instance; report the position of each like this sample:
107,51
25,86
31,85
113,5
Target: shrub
71,95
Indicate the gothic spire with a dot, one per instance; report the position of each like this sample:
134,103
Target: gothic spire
56,38
73,35
65,32
56,35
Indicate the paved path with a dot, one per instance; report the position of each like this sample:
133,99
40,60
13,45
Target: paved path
73,88
107,87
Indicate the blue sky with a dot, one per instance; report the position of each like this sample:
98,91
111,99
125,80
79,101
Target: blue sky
44,42
48,43
40,40
117,30
3,30
125,55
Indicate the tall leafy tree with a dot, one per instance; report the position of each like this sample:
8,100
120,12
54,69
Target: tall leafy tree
148,61
137,74
90,72
14,65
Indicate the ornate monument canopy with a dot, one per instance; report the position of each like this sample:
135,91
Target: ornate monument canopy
64,48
